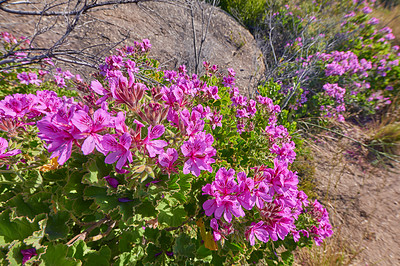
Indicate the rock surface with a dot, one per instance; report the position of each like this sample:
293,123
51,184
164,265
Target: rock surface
167,26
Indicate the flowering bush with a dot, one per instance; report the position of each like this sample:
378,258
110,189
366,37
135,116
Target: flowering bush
351,72
148,166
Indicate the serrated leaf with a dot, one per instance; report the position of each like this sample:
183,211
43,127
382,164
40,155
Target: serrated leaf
34,205
165,240
57,227
78,250
171,216
204,254
14,255
184,246
60,174
108,203
81,207
173,183
129,238
98,169
146,209
99,258
151,234
130,258
153,253
36,238
16,229
185,183
57,255
74,187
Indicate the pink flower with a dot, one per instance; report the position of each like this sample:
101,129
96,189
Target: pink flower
286,153
227,206
119,151
90,127
99,89
167,159
367,10
218,233
3,147
59,133
257,230
112,181
59,81
199,151
155,147
28,254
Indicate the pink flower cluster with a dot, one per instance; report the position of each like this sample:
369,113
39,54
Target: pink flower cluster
339,63
64,124
29,78
272,193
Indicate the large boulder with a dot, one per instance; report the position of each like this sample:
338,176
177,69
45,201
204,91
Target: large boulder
168,26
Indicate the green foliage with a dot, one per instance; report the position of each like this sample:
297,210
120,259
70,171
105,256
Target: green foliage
72,215
248,12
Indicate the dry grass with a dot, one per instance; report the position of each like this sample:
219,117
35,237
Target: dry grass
390,18
336,250
384,134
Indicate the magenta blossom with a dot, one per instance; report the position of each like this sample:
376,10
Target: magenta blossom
167,159
112,181
59,133
28,254
155,147
120,152
220,229
257,230
199,151
3,147
90,127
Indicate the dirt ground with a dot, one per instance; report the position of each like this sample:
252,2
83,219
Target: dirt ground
363,200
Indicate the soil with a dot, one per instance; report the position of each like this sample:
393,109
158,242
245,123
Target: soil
363,200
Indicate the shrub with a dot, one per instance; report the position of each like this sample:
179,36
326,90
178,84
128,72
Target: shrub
151,167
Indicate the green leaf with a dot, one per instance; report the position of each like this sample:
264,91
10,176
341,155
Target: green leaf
60,174
152,251
78,250
172,183
57,255
146,209
74,187
100,258
287,257
14,255
107,203
57,227
131,257
36,238
98,169
16,229
32,206
256,256
165,240
151,234
184,246
129,238
204,254
171,216
81,207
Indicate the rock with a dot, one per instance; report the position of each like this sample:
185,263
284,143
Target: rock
167,26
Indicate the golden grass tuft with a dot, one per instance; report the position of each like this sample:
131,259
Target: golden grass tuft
336,250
